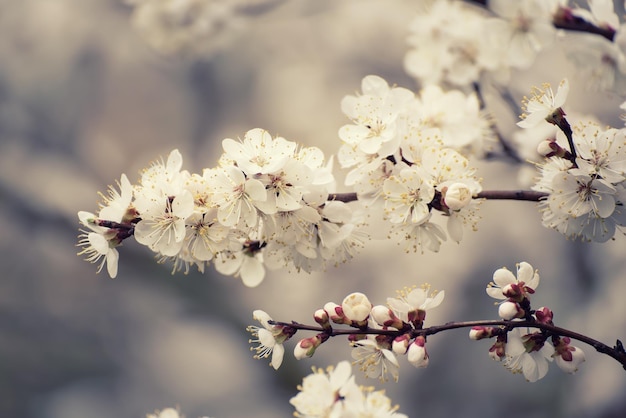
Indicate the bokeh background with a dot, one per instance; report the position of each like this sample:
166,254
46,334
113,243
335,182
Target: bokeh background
84,98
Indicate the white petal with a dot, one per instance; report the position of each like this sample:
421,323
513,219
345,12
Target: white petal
112,258
252,272
503,276
277,356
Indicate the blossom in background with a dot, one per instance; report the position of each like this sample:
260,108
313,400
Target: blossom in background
186,27
448,43
523,29
166,413
334,393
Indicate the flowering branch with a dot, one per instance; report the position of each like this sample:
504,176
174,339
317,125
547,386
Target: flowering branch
617,352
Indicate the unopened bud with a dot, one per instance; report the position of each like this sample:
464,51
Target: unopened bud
544,315
321,317
480,332
356,307
457,196
307,346
400,344
385,317
498,350
335,313
417,354
509,310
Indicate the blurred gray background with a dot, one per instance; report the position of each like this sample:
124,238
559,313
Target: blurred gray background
84,98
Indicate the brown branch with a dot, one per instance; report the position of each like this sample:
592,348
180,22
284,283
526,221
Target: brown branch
617,352
527,195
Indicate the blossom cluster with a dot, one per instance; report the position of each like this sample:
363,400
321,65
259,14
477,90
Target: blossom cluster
191,27
334,393
380,333
265,205
525,351
453,42
407,155
585,180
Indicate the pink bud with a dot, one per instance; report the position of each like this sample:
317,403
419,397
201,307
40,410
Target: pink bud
544,315
385,317
417,354
306,347
400,344
480,332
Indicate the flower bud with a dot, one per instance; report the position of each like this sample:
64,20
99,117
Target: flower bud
335,313
385,317
356,307
480,332
544,315
417,354
498,350
400,344
569,362
566,356
321,317
306,347
509,310
548,148
457,196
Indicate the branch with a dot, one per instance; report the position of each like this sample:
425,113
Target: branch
527,195
565,19
617,352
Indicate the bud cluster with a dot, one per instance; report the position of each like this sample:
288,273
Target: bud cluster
525,352
379,333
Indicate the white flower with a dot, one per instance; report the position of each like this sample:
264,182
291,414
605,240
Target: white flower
526,281
407,196
259,153
447,43
455,117
186,27
375,361
601,152
425,235
236,197
96,247
166,413
375,115
544,104
524,355
162,225
526,28
322,393
270,339
411,304
99,242
246,263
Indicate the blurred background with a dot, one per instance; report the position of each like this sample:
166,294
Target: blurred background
90,89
